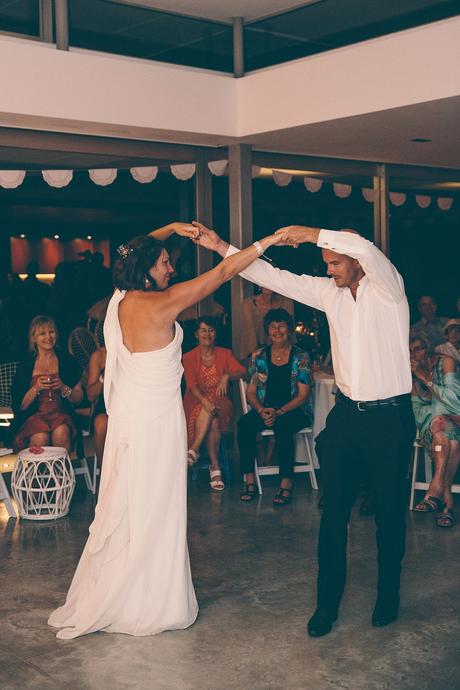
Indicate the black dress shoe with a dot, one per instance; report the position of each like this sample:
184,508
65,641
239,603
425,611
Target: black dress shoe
384,614
321,623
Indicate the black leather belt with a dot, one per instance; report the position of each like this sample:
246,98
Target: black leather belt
368,405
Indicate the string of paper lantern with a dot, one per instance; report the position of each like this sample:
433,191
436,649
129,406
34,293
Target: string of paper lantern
11,179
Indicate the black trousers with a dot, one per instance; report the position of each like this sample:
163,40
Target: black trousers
378,442
284,429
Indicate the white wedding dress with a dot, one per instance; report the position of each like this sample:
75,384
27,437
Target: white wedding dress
134,574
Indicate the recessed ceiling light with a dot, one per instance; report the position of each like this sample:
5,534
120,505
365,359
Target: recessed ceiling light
421,140
56,237
22,236
89,237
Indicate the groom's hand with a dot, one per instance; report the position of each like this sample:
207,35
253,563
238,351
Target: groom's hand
209,239
293,235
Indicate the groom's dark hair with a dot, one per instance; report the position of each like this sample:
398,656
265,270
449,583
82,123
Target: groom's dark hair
131,269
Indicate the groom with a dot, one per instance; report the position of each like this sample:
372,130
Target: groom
372,422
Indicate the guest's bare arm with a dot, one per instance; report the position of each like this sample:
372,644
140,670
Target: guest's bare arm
182,229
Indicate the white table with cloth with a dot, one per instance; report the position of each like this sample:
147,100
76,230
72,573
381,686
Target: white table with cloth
324,401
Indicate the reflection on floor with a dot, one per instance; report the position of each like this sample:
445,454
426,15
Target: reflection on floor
254,571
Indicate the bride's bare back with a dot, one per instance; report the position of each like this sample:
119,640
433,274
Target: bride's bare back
146,321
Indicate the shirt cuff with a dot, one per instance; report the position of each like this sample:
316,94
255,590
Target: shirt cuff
231,250
327,239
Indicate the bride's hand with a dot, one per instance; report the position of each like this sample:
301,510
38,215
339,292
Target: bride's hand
186,230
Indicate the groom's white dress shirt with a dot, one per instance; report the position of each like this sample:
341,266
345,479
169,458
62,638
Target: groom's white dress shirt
369,336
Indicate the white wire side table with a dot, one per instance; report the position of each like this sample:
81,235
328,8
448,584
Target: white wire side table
43,483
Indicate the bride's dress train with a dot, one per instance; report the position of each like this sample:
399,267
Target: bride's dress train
134,574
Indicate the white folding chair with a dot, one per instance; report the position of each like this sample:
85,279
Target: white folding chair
428,472
304,436
7,374
4,493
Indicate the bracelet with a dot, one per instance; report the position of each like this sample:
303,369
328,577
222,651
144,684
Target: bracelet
66,392
281,409
259,248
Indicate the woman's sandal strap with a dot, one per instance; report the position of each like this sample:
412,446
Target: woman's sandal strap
430,505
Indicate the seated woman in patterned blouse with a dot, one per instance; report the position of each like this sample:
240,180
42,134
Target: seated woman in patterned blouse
436,405
279,395
208,409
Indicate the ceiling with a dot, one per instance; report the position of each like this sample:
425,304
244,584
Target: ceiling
223,10
384,136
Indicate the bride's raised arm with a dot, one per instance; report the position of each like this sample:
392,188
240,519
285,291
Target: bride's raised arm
182,229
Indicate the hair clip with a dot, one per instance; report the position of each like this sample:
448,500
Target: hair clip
124,250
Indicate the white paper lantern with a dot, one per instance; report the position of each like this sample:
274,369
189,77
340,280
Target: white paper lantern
397,198
342,190
184,171
422,200
144,174
57,178
445,203
368,194
218,168
10,179
103,176
312,184
281,178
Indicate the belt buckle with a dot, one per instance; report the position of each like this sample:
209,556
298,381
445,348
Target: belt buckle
358,405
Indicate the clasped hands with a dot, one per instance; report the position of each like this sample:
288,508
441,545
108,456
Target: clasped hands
269,415
290,235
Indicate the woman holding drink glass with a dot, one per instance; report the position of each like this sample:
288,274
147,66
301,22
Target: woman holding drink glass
46,386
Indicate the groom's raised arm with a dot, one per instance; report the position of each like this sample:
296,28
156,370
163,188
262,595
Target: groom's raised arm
304,289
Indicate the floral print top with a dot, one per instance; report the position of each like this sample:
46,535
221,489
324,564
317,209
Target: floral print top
300,373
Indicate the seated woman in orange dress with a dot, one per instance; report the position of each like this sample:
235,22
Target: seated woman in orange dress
208,409
46,386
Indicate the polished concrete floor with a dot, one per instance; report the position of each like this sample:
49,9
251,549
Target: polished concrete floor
254,571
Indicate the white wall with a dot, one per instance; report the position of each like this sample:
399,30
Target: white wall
41,84
400,69
38,80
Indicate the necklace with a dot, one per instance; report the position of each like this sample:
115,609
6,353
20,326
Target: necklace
208,356
278,358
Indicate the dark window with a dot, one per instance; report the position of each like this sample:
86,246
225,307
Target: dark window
149,34
329,24
20,17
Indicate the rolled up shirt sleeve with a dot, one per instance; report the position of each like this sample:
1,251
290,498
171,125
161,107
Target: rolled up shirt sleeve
305,289
375,264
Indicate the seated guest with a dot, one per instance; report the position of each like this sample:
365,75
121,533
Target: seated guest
436,404
429,327
278,394
254,311
95,394
451,348
44,389
208,409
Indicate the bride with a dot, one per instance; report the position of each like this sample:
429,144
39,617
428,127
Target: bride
134,574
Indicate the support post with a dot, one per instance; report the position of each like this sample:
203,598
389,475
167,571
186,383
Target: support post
62,24
238,47
203,213
381,210
241,235
46,20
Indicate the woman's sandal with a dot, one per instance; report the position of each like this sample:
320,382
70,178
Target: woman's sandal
430,504
249,494
192,457
445,519
283,497
216,482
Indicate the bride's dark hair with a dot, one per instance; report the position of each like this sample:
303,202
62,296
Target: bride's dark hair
131,269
